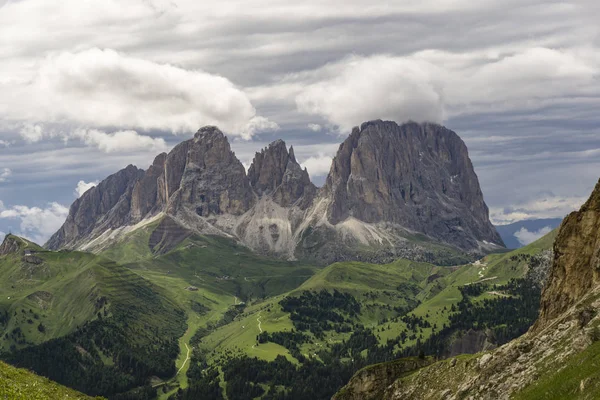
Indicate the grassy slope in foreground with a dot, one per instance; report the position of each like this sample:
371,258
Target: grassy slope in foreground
20,384
578,378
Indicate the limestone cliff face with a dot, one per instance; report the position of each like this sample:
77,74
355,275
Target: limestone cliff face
386,183
103,207
213,181
418,176
147,196
576,267
275,171
201,176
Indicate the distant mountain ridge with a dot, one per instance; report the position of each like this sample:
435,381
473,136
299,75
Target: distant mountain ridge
511,233
388,185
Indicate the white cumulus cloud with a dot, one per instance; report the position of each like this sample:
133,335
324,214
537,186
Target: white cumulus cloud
37,223
32,132
317,165
83,187
99,88
543,206
358,89
121,141
525,236
5,173
432,85
315,127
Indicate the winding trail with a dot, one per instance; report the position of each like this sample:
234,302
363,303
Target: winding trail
187,357
259,322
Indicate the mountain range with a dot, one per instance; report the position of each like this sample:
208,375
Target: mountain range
390,189
198,279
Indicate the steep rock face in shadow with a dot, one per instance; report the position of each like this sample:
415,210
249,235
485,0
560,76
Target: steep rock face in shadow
105,206
147,196
275,172
576,266
418,176
214,181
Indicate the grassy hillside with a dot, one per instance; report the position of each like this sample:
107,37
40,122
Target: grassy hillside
47,294
84,320
207,276
20,384
179,309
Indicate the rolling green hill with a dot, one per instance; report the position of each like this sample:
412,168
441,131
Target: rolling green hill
185,310
86,314
401,306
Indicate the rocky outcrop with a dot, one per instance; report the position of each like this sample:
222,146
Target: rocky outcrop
147,196
471,342
371,382
106,206
576,267
391,190
275,172
418,176
10,245
214,181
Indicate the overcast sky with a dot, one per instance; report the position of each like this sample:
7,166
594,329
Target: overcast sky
87,87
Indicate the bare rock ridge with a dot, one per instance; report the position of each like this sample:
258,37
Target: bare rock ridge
213,181
106,206
275,171
566,329
576,266
387,182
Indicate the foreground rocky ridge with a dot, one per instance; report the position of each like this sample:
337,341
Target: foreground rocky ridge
390,188
569,325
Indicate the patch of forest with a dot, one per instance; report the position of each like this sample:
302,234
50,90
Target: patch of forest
508,316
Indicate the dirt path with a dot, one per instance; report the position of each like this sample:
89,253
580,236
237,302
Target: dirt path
187,357
482,280
259,322
498,293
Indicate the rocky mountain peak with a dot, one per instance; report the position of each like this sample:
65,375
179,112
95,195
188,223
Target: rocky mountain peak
105,206
416,175
576,267
387,181
209,133
275,171
212,180
10,245
292,155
